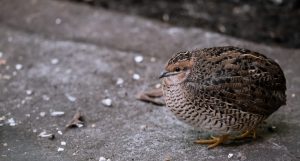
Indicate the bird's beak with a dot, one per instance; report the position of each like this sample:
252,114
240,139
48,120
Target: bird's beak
163,74
166,74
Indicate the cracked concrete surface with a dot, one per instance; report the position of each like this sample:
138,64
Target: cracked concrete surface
94,48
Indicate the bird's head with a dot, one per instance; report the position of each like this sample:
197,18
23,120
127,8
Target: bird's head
177,68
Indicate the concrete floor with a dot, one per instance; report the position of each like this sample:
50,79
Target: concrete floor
70,56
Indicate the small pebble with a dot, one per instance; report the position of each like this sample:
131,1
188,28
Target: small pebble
58,21
158,85
63,143
54,61
143,127
27,115
136,76
57,113
29,92
120,81
60,149
272,128
102,159
138,59
19,66
2,118
42,114
293,95
166,17
152,59
46,98
107,102
79,125
1,54
59,132
230,155
11,122
44,134
70,98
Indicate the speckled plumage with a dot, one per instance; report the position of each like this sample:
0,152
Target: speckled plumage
223,89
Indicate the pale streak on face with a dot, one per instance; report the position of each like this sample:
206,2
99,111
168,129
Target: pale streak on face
176,79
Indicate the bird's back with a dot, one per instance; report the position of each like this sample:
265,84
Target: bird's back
248,81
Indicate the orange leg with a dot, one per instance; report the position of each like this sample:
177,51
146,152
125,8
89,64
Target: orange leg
214,141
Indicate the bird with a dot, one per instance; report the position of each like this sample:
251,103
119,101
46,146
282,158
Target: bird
227,91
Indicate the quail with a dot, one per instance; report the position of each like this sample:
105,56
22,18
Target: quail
227,91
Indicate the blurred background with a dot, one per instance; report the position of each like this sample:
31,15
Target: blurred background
274,22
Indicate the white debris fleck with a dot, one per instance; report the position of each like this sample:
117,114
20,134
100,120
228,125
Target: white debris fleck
19,66
277,2
44,134
63,143
27,115
34,130
54,61
138,59
230,155
143,127
70,98
5,144
107,102
14,73
57,113
59,132
93,125
120,81
79,125
103,159
60,149
293,95
166,17
58,21
1,54
136,76
222,28
42,114
2,118
11,122
29,92
152,59
46,98
158,85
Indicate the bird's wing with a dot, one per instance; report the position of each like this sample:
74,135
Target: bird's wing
246,80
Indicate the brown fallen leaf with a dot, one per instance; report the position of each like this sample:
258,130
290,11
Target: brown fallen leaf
154,96
76,121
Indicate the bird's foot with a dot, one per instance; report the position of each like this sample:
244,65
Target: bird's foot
247,134
214,141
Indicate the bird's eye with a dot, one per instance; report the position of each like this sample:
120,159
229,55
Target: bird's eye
177,69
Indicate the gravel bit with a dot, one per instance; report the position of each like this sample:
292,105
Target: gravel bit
57,113
107,102
44,134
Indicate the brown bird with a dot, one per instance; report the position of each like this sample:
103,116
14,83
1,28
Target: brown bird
227,91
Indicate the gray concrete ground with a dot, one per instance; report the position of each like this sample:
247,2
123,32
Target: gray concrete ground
70,51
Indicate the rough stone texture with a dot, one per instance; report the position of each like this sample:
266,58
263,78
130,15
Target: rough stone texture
94,48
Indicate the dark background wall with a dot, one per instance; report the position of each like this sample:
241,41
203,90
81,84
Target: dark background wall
274,22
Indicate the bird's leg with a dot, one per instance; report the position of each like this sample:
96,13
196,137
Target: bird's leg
246,134
214,141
